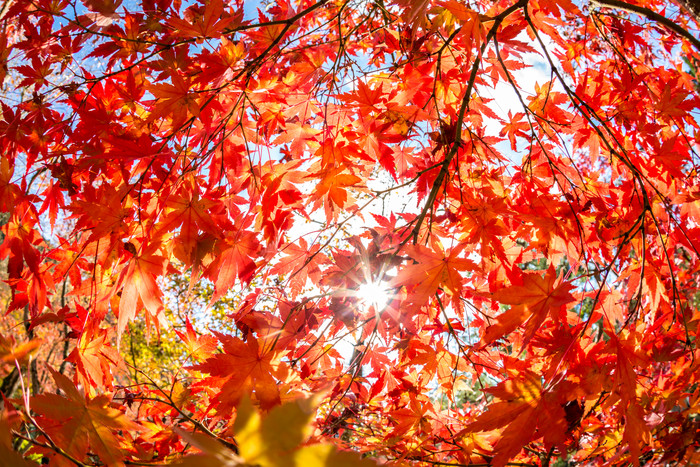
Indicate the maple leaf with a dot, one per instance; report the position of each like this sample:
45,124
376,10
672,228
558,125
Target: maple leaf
212,453
515,128
104,7
8,190
274,440
433,270
531,302
637,433
191,213
411,419
4,53
333,184
367,97
546,100
11,352
105,212
238,146
301,262
81,424
671,104
94,358
236,259
299,134
174,101
470,19
523,411
242,367
414,12
36,74
8,421
209,24
140,286
515,408
199,346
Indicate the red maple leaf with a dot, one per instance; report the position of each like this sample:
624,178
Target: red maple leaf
530,304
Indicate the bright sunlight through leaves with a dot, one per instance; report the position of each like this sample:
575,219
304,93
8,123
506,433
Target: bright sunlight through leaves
374,294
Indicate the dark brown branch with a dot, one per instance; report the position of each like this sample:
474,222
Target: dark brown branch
692,7
454,148
651,15
9,384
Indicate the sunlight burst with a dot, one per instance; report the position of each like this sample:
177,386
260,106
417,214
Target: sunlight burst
374,294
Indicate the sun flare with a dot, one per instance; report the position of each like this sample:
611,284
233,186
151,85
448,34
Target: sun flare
376,294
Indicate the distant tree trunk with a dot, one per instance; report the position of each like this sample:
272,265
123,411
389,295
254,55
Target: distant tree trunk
9,383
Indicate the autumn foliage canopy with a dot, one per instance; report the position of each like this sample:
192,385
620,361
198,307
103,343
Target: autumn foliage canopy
349,233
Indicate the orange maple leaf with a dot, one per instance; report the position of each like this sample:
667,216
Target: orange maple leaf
94,357
191,213
333,183
199,346
79,424
8,190
514,407
470,20
431,271
523,411
139,281
10,351
530,303
236,258
210,24
301,262
516,127
173,100
241,368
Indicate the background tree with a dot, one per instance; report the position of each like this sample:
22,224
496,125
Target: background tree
436,233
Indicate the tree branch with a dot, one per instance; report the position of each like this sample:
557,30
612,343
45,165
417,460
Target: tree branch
651,15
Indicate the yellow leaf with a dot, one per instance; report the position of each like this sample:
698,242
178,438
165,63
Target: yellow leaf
321,455
213,453
268,441
275,440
